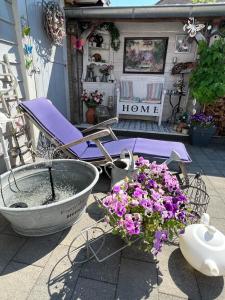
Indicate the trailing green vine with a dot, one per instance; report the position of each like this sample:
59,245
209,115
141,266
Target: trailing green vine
114,34
207,82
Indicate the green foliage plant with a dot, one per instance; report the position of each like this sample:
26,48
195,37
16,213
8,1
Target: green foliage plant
207,81
114,34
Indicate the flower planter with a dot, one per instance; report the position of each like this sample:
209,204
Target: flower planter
149,205
90,115
200,136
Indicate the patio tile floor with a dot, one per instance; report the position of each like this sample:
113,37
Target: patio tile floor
39,268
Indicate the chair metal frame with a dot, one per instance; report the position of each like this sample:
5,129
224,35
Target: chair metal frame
104,131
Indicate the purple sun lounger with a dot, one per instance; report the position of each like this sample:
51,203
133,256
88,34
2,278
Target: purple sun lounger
89,148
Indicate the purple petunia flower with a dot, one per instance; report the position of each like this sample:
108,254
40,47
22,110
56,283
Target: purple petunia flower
147,204
141,162
120,209
152,184
155,195
116,189
139,193
107,201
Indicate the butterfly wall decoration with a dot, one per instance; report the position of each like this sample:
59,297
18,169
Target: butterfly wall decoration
28,49
192,27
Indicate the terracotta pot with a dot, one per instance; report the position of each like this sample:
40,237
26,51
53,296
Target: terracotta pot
90,115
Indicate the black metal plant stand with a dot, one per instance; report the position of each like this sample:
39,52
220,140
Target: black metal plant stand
176,109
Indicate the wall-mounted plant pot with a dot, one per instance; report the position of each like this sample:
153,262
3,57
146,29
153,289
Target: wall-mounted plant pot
201,136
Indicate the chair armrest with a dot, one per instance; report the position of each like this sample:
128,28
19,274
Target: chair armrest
90,137
102,124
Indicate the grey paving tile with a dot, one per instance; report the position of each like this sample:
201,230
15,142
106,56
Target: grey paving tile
93,209
108,269
216,207
3,223
179,279
17,281
217,181
163,257
37,250
137,280
218,223
8,230
9,245
58,278
70,234
211,287
88,289
169,297
183,287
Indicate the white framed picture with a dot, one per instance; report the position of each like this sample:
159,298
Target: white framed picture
182,44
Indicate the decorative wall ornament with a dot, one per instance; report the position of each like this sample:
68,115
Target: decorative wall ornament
54,22
182,44
192,27
27,43
108,26
114,34
77,43
183,68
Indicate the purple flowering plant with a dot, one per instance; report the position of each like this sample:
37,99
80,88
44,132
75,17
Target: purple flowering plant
150,205
202,120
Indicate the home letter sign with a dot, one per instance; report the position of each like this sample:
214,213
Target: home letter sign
139,109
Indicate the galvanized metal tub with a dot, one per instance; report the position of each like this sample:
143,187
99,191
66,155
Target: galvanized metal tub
50,218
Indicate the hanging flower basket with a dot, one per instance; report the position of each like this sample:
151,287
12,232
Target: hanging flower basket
150,206
54,22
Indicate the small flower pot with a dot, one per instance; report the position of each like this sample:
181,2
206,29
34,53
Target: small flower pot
201,136
184,130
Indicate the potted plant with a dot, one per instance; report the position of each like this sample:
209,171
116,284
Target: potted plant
202,129
91,100
207,82
150,206
183,123
106,71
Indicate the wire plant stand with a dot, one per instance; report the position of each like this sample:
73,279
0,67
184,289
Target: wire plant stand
197,194
195,190
91,235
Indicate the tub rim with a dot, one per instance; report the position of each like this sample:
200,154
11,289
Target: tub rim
57,203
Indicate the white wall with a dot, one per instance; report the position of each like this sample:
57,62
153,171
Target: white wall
51,60
9,45
52,80
156,29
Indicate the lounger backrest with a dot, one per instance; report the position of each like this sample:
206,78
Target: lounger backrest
54,123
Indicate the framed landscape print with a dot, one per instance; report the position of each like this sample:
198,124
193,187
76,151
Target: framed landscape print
144,55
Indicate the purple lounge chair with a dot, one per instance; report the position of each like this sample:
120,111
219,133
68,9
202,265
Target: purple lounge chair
89,148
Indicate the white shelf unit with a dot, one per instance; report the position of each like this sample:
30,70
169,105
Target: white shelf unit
106,52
